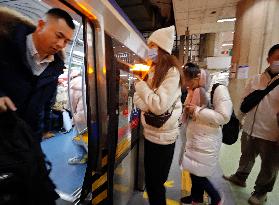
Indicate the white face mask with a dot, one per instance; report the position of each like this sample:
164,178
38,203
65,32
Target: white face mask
274,67
153,54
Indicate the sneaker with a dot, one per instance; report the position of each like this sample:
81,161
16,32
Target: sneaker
186,200
78,160
222,201
235,180
189,200
257,199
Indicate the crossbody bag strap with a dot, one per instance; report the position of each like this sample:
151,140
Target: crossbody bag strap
174,104
271,86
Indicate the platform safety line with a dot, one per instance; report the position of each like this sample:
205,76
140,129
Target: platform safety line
186,183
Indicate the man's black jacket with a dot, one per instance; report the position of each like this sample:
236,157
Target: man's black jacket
31,94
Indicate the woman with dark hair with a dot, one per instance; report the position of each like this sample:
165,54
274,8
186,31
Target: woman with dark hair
203,132
159,96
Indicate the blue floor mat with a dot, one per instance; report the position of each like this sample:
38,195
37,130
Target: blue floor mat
67,178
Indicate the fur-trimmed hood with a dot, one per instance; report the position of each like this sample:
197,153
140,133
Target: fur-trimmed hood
10,19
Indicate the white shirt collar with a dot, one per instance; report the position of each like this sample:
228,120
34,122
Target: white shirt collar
34,53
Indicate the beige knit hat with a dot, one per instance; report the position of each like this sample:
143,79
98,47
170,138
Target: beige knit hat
164,38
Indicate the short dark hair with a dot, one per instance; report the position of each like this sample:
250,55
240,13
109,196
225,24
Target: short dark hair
191,70
273,49
59,13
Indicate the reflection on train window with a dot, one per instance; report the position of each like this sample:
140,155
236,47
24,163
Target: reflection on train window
128,114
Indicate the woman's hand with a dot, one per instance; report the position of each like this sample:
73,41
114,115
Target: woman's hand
190,108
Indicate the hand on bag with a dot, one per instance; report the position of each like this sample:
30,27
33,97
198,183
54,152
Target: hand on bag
6,103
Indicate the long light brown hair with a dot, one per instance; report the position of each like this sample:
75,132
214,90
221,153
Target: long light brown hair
162,66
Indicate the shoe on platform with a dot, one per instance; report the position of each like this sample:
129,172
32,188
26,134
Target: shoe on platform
235,180
257,198
188,200
78,160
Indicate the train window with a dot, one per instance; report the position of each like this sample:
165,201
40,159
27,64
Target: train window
128,114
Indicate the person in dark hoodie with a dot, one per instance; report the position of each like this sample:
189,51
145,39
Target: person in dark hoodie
31,59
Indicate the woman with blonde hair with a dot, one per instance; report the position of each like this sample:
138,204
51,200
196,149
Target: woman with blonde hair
159,100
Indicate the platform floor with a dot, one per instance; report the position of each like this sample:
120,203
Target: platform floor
229,157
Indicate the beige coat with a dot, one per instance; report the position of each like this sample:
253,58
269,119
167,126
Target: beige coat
159,102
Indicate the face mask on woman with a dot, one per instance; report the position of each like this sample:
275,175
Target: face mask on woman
274,67
153,54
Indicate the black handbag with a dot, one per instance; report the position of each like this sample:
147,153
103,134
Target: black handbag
254,98
158,120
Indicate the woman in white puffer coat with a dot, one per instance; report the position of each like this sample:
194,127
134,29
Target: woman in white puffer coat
203,133
159,94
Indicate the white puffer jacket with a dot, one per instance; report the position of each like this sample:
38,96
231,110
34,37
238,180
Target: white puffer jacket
204,134
159,102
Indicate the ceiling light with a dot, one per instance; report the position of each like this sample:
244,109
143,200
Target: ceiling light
227,44
226,20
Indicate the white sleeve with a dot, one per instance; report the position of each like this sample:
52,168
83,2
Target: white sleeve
222,108
140,103
160,101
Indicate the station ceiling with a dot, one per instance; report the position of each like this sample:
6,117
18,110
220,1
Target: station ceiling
200,16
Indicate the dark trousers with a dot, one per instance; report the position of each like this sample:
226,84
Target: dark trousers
157,162
251,147
201,184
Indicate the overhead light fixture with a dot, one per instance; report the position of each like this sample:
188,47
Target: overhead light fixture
226,20
227,44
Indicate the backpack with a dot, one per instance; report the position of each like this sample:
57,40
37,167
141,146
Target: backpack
23,172
231,129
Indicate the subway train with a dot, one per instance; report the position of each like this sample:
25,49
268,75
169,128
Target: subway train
105,46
